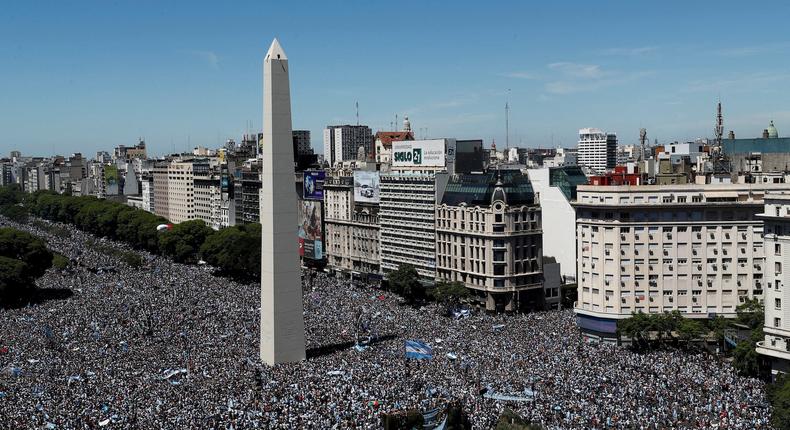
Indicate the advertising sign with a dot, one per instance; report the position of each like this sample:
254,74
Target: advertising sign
311,230
313,185
418,153
366,187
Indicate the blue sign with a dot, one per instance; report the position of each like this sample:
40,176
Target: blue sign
313,185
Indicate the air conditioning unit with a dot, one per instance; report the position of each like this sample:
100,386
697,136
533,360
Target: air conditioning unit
670,268
622,283
606,282
699,282
699,267
669,235
622,237
651,252
622,252
666,253
739,283
607,252
651,237
671,299
651,299
694,251
607,298
694,300
715,252
699,235
650,268
622,268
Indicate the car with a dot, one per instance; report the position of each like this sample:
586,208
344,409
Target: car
366,191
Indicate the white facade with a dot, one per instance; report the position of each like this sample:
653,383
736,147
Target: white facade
597,150
561,158
180,192
282,318
147,186
776,219
559,219
693,248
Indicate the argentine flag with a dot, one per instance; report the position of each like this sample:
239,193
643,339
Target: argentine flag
418,350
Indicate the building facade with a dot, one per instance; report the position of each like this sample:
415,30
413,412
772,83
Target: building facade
352,229
488,237
597,150
342,142
776,227
693,248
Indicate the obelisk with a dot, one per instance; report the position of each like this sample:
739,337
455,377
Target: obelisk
282,319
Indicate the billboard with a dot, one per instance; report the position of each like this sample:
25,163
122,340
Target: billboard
311,230
366,187
111,175
314,185
418,153
469,156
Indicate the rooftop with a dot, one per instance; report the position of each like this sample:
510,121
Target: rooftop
476,189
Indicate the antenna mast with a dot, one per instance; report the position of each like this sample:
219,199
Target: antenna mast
357,104
507,126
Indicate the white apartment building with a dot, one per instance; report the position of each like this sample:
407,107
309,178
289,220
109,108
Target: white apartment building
174,191
488,237
351,229
147,192
342,142
776,227
693,248
597,150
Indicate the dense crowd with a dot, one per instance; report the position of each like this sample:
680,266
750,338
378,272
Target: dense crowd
173,346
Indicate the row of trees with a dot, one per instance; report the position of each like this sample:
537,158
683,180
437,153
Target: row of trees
23,258
235,251
650,330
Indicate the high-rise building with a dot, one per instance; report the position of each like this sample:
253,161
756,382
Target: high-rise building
161,187
282,319
342,142
408,203
693,248
776,230
180,192
597,150
488,237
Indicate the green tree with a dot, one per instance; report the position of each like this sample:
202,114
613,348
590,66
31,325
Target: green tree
236,251
450,293
183,242
745,358
689,329
778,394
23,258
406,282
15,213
751,313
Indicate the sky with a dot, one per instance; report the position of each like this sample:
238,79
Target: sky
91,75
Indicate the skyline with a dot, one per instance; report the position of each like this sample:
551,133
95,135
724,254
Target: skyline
87,80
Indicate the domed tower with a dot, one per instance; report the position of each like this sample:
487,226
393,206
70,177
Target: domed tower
499,194
406,123
772,132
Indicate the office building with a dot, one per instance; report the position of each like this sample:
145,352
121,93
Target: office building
597,150
408,204
693,248
776,227
488,237
342,142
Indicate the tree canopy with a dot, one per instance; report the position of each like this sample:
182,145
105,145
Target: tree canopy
23,258
406,283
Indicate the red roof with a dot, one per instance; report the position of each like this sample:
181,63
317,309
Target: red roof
387,137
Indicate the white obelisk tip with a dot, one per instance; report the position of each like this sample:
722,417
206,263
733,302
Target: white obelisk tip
276,51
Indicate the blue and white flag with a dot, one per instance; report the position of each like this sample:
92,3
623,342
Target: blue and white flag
418,350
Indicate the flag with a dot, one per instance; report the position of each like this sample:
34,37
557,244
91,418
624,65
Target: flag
418,350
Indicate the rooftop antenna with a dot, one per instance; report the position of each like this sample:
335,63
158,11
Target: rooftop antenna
507,120
395,128
719,129
357,104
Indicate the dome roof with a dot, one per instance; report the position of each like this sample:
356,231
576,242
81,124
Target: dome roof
772,132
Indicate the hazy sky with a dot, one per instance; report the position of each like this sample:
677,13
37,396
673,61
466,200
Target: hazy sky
84,76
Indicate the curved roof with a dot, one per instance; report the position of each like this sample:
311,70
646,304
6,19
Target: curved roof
477,189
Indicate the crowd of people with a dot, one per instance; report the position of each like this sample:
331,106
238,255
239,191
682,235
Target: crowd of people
168,345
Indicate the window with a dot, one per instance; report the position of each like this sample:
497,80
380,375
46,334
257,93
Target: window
777,249
778,268
777,322
778,304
